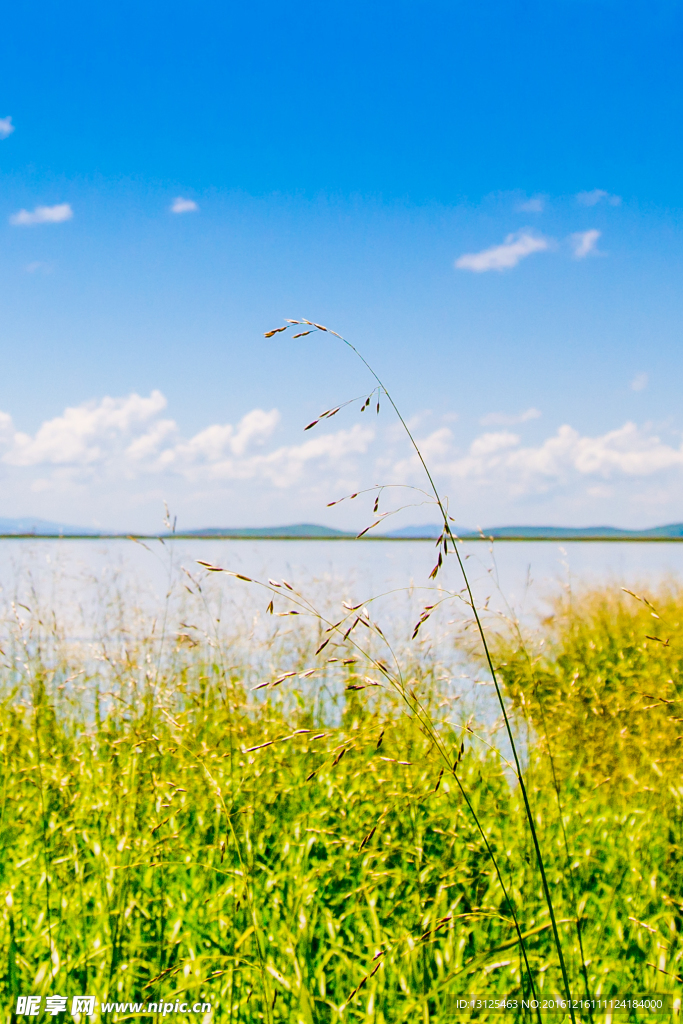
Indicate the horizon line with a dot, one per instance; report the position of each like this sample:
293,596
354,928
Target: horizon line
629,537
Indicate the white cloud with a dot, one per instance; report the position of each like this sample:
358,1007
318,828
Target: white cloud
502,257
596,196
128,439
488,444
584,242
534,205
286,465
566,456
6,127
630,467
84,434
501,419
147,446
180,205
639,382
6,429
627,450
43,215
127,452
221,445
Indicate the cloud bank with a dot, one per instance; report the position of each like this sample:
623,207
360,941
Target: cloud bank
499,460
129,438
119,454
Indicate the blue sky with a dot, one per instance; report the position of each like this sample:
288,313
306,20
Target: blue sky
485,198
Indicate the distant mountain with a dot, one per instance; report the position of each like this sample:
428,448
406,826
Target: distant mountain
583,533
312,531
303,530
673,530
429,532
38,527
555,531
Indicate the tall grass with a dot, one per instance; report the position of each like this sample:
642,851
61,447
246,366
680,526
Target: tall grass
168,830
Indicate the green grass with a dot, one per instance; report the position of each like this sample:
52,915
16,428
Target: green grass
149,854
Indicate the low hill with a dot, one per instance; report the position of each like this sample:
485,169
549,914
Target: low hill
428,532
303,530
672,531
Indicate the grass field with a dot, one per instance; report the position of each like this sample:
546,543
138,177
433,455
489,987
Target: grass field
300,851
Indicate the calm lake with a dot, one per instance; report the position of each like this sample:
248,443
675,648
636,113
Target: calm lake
64,574
90,599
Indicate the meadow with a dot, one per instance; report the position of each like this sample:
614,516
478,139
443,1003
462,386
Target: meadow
280,820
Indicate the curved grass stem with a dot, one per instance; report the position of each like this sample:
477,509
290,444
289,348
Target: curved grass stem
449,536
